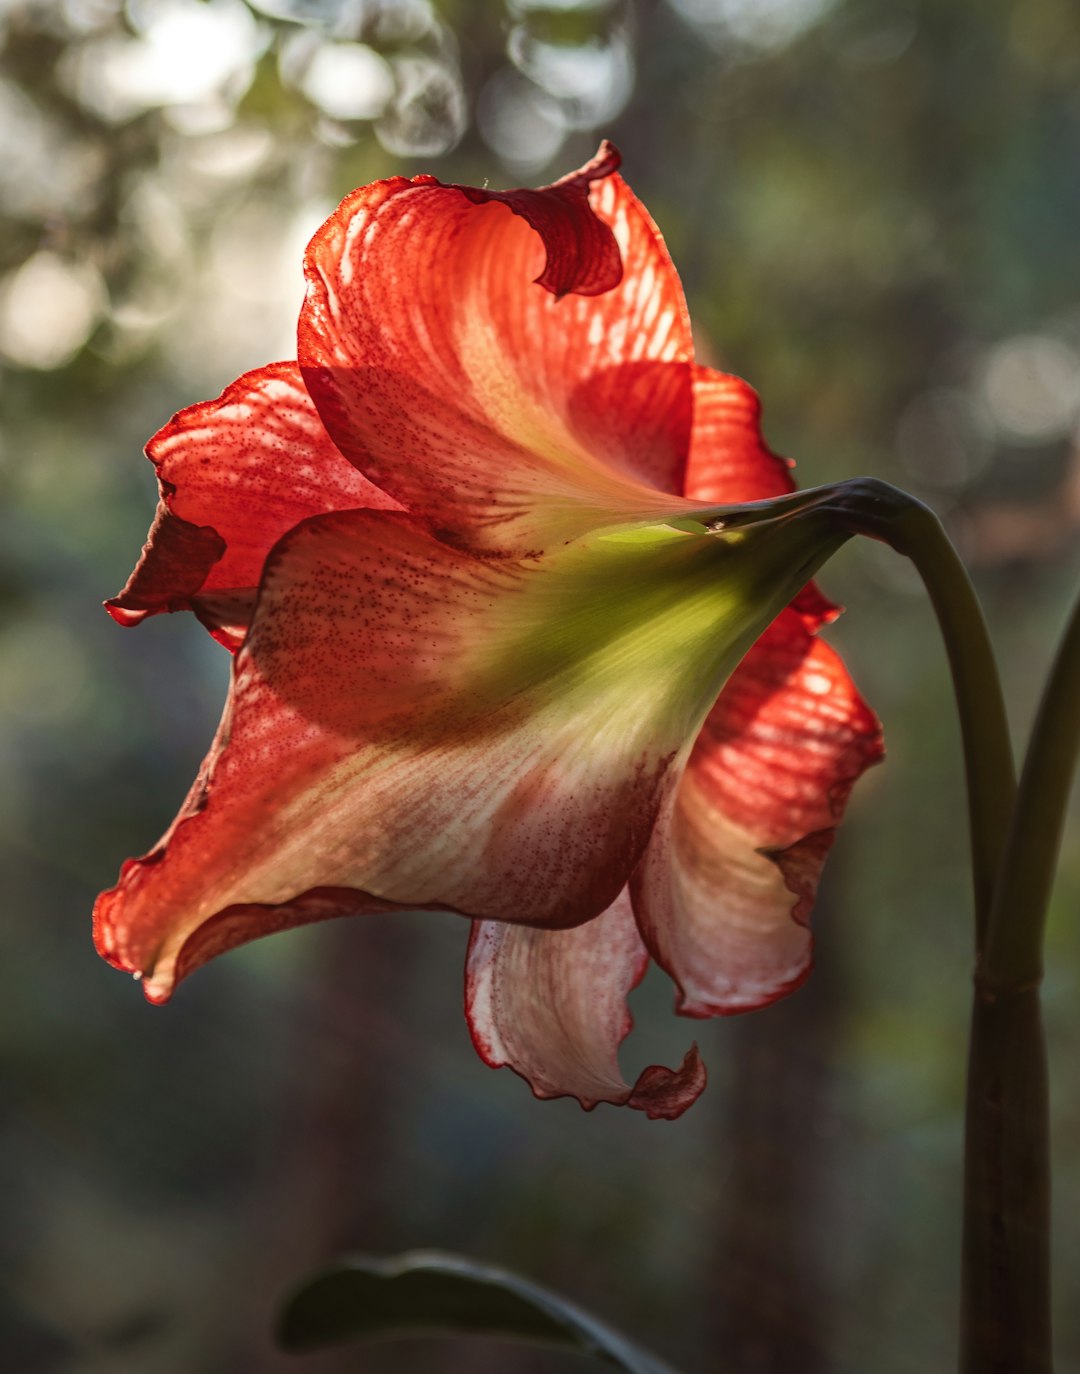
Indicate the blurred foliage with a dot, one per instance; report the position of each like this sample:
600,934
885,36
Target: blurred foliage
873,209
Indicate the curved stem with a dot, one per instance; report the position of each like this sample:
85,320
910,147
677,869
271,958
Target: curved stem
1005,1269
869,507
1005,1280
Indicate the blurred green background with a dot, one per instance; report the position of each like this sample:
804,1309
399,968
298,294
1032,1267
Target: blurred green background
874,205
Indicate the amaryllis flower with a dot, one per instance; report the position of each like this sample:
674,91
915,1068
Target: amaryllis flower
503,647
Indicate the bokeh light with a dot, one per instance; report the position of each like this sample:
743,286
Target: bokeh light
197,56
761,24
348,81
48,308
1031,387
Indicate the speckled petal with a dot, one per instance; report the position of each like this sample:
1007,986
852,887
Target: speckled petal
235,474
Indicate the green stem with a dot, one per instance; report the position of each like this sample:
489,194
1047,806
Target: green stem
1012,958
1005,1266
1007,1303
1005,1285
1016,834
1005,1258
988,758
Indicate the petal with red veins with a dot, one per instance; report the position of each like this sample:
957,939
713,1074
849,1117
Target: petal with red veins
435,729
729,459
723,895
425,332
551,1005
235,475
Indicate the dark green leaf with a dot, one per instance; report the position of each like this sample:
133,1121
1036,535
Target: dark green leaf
429,1293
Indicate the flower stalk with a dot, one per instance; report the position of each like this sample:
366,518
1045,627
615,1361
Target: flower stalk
1005,1273
1006,1296
880,511
1015,838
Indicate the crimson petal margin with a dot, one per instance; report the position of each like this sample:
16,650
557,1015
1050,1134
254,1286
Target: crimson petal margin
551,1005
724,893
424,331
235,474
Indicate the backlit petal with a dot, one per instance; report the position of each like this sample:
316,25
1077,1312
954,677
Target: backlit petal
729,459
436,729
426,333
235,474
724,894
551,1005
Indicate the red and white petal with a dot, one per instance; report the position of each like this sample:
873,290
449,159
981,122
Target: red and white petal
724,893
235,474
436,729
426,332
551,1005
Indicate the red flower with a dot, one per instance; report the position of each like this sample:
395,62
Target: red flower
470,551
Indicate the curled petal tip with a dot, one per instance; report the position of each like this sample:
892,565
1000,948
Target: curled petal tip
664,1094
235,474
175,562
606,160
583,256
122,614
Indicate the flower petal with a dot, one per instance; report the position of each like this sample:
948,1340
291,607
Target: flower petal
426,332
235,474
551,1005
729,459
724,893
436,729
